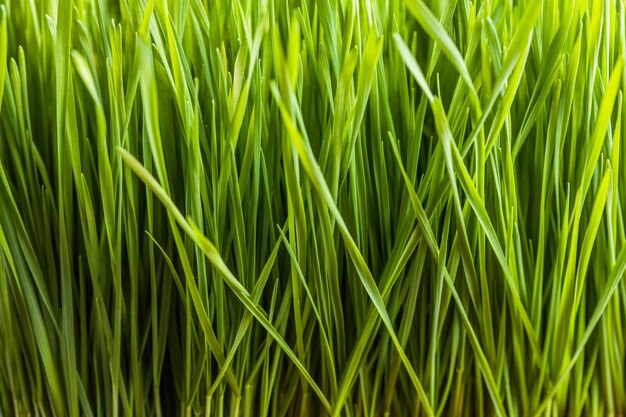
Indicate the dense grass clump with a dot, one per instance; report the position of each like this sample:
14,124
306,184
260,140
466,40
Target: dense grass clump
312,207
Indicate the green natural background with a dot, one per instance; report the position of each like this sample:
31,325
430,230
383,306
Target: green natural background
309,208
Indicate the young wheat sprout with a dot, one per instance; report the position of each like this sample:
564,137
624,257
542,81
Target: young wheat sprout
346,208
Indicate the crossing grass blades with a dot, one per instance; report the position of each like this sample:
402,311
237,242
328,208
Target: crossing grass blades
312,208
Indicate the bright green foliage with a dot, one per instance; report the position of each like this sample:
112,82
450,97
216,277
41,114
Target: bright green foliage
309,208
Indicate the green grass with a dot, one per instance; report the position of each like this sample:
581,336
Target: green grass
310,208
